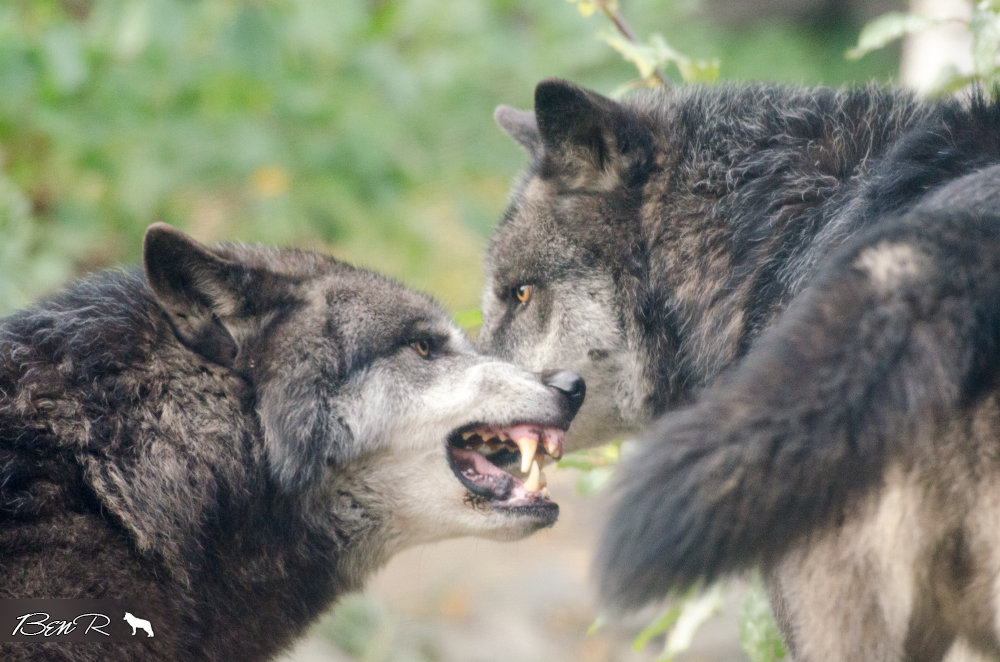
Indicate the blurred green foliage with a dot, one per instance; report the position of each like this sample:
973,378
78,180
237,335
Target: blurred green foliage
359,127
983,27
759,632
367,631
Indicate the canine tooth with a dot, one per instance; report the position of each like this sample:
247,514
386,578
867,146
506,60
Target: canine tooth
554,444
529,448
534,482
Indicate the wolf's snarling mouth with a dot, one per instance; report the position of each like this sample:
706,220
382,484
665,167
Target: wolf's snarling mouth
477,452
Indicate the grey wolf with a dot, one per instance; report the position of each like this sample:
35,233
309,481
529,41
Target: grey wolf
138,624
794,296
236,435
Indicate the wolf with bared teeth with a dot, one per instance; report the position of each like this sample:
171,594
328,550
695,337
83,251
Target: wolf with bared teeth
236,435
794,294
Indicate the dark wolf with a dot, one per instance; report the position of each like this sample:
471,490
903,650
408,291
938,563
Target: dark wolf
796,294
236,435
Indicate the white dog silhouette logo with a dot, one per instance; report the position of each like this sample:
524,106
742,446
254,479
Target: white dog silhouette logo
138,624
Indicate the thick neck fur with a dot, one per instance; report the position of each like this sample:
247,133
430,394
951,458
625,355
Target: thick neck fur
756,185
97,397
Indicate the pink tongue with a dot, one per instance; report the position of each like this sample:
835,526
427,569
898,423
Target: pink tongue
481,465
478,462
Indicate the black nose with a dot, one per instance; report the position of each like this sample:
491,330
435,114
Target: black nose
570,385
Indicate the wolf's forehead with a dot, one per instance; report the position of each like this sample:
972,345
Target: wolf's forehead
369,304
544,231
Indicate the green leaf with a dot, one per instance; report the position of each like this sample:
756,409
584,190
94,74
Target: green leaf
694,612
887,28
645,58
681,620
599,622
664,622
759,634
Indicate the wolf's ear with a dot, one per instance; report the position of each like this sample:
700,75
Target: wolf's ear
521,126
196,287
586,133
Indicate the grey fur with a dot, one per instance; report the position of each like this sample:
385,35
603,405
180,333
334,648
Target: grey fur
795,293
236,438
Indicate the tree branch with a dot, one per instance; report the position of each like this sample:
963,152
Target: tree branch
611,11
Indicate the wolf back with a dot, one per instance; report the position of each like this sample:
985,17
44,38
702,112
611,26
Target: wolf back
798,286
236,435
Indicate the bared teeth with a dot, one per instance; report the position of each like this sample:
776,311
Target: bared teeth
553,443
532,441
534,481
529,448
553,449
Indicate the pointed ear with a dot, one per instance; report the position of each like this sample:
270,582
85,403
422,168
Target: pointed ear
521,126
195,287
585,133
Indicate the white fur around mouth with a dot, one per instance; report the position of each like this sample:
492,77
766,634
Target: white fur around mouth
471,452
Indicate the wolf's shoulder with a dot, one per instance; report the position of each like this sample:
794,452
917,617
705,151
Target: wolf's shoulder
73,342
103,314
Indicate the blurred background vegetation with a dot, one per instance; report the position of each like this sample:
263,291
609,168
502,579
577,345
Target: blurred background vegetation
359,127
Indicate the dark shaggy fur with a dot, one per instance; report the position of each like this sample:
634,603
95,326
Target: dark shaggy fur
235,437
104,492
811,278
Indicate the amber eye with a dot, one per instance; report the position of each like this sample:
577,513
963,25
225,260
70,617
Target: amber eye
523,293
422,347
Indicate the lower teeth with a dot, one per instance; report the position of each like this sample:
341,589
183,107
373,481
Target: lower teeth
536,479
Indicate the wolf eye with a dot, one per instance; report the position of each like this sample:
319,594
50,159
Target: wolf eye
422,347
523,293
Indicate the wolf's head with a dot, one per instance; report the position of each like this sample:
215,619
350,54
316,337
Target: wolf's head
568,269
365,392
